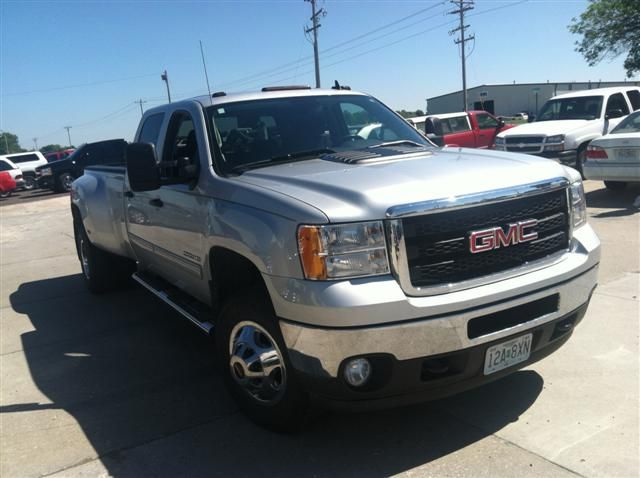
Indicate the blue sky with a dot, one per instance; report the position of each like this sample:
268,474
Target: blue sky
84,63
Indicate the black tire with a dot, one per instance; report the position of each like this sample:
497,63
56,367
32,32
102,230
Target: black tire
63,183
580,158
282,405
5,195
101,270
615,185
29,182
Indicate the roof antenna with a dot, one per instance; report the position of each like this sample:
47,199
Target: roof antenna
205,69
336,85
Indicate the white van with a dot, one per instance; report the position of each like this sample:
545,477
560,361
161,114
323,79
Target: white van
567,123
27,162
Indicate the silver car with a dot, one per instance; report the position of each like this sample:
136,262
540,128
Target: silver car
615,158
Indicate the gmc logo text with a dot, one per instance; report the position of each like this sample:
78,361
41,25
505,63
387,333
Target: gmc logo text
495,237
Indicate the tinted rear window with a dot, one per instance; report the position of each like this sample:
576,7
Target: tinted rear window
23,158
634,99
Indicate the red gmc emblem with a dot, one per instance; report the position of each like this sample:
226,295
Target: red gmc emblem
496,237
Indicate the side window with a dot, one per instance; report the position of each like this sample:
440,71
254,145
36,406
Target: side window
458,124
634,99
151,129
23,158
486,122
180,147
4,166
617,102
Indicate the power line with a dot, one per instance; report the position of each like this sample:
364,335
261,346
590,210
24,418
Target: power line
80,85
336,53
140,101
295,64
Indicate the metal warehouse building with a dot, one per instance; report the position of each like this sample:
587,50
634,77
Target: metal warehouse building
509,99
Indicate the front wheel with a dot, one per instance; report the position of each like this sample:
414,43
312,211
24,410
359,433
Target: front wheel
5,194
29,183
615,185
63,183
255,366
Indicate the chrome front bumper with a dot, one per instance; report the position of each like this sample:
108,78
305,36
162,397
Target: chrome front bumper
329,322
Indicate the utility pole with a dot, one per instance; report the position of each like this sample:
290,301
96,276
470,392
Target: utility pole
463,6
140,101
68,134
315,14
35,143
165,78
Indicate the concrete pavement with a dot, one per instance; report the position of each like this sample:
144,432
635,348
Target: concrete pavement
119,385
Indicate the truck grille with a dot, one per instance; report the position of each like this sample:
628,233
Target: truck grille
524,144
438,245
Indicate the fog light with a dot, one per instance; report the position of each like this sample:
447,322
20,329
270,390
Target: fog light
357,372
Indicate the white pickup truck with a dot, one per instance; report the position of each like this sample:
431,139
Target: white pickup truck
357,272
567,123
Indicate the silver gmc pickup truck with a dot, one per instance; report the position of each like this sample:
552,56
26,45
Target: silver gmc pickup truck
334,253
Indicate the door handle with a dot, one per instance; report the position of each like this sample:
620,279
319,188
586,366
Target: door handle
129,194
156,202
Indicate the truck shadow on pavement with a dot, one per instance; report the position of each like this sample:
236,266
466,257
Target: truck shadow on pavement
144,387
620,203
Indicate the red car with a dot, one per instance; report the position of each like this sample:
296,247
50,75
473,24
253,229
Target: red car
58,155
7,184
471,129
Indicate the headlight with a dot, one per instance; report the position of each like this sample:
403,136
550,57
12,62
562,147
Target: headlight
45,171
499,141
558,138
343,250
578,204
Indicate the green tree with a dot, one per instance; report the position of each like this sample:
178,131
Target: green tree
51,148
610,28
9,143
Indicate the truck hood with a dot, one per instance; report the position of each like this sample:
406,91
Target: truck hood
546,128
357,192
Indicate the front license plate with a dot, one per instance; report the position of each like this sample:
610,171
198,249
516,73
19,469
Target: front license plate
627,154
507,354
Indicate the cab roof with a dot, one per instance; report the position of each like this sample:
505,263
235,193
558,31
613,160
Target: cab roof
597,92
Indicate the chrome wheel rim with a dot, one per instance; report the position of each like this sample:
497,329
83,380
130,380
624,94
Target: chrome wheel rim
29,183
84,257
66,182
256,363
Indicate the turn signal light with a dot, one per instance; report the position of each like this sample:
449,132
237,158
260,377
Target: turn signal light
311,253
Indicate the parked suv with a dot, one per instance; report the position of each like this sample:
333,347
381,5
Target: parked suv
567,123
58,175
27,162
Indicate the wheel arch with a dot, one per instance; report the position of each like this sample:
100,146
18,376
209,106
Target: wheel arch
231,273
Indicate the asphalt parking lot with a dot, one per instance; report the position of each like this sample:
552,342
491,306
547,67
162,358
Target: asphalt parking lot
119,385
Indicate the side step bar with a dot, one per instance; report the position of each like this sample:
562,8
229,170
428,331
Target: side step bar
190,308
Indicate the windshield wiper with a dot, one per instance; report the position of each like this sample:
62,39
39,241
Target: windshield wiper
285,158
398,143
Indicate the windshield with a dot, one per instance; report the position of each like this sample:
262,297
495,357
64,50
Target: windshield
260,132
631,124
582,108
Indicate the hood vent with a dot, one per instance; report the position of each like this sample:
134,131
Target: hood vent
363,156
